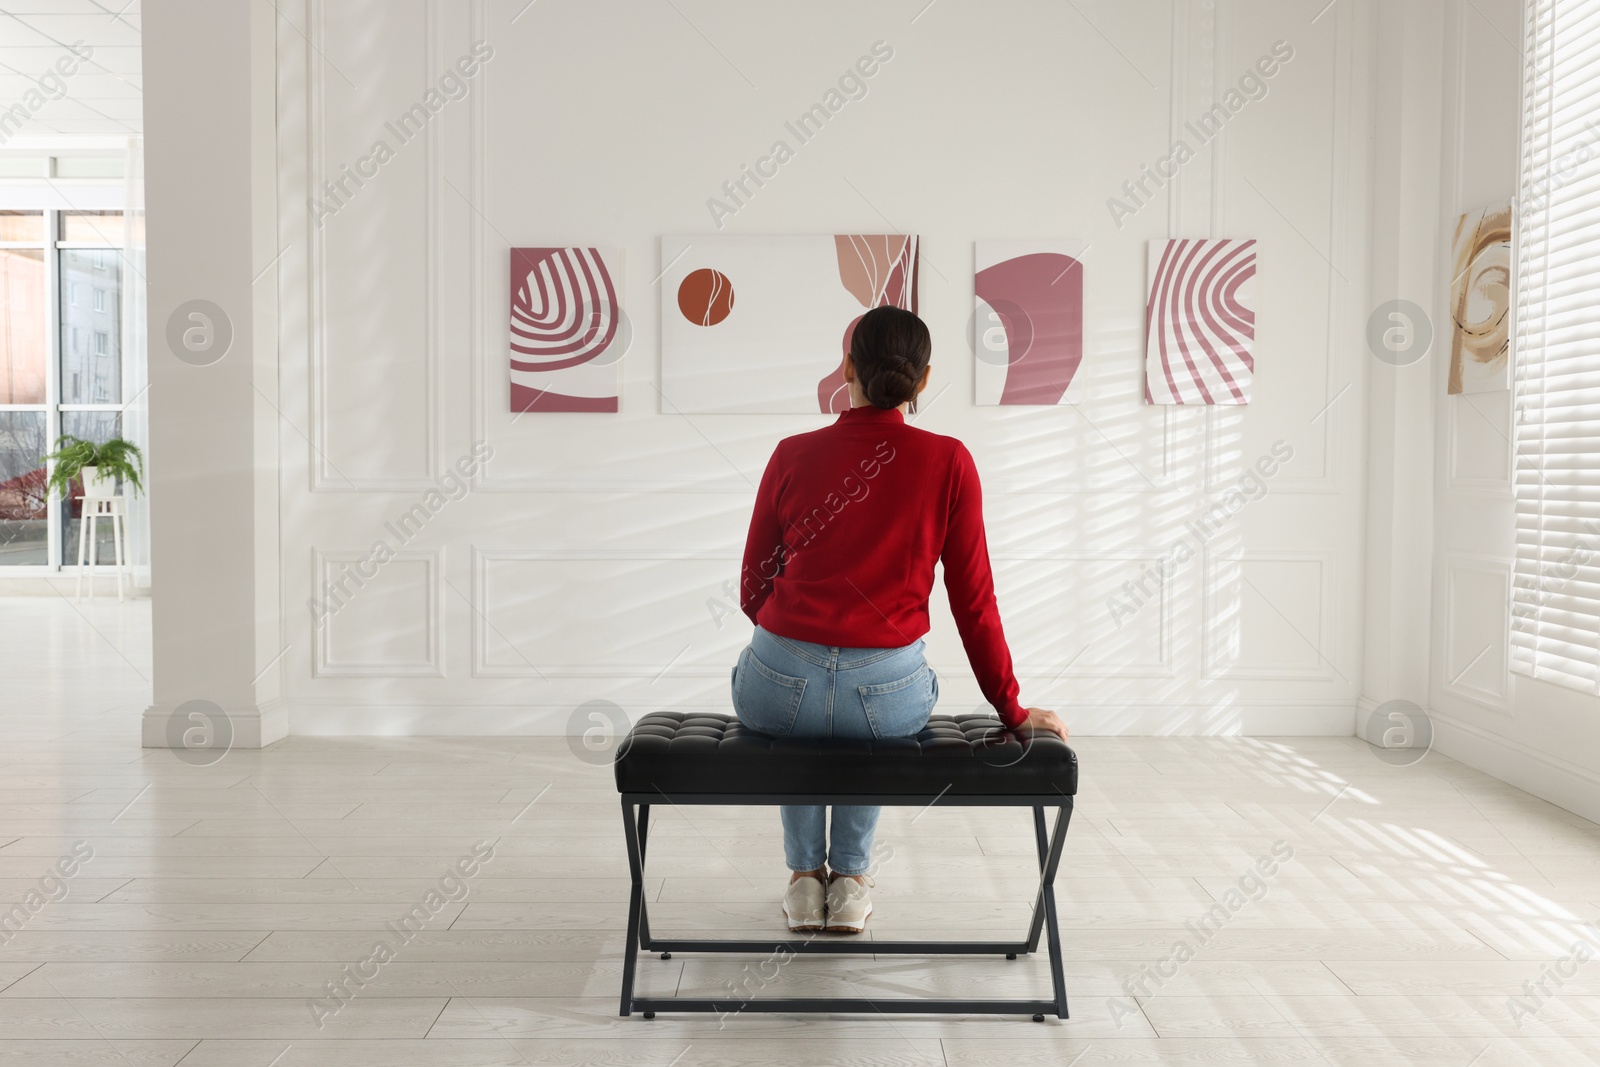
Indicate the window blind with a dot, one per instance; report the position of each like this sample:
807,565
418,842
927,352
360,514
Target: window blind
1555,618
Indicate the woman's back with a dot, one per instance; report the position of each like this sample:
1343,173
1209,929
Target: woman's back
857,515
848,524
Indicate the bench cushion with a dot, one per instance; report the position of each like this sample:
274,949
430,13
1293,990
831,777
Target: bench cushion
958,755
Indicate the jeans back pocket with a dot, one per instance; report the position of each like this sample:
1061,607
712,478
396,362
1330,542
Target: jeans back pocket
765,700
900,708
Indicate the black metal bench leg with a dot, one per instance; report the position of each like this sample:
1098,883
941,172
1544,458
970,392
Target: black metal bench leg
1043,843
1048,894
630,951
644,905
1057,976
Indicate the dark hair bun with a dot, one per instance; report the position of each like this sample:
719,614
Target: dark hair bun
890,348
891,386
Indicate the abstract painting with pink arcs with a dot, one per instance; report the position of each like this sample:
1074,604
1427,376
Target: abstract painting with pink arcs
1200,322
565,343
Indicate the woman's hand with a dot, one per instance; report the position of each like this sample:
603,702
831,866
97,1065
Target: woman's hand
1040,720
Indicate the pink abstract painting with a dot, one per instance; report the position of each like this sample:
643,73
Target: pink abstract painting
565,339
878,270
1200,325
1028,320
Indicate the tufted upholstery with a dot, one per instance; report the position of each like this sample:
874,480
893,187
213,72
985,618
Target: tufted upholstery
962,755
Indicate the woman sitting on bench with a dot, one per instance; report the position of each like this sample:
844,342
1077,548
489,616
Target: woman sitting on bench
849,522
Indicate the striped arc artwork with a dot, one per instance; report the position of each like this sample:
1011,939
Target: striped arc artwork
564,330
1200,326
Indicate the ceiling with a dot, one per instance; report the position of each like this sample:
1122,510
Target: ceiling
104,98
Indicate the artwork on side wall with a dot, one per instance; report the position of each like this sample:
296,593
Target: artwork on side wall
566,335
1200,322
1028,320
1480,301
762,324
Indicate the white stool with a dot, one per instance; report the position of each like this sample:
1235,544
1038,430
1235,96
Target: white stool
94,508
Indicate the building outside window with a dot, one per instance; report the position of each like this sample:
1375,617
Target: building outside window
51,383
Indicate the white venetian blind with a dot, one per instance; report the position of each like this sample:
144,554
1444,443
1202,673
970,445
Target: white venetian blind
1555,618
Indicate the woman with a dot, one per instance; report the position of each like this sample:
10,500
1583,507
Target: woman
849,522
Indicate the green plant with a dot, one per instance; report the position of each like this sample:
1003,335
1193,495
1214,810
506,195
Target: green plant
115,458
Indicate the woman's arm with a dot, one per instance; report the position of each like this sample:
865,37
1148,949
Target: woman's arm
763,547
970,584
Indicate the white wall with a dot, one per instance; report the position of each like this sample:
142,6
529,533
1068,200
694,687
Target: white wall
1541,737
588,559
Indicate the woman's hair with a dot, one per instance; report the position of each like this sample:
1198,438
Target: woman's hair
891,349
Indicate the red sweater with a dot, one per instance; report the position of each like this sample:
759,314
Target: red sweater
848,523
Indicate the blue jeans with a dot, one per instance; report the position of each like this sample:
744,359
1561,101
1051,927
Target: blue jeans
788,688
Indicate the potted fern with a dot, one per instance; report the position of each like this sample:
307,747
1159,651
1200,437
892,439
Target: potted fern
99,465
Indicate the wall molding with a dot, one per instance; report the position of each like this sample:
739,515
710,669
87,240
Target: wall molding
1454,563
323,665
1498,488
1213,668
323,476
481,625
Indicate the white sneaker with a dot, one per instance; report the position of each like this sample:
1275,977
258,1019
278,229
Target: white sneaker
848,904
802,904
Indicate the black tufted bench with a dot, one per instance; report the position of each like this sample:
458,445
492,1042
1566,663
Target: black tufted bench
964,760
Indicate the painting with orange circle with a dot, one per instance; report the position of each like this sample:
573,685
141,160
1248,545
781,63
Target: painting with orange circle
705,297
761,324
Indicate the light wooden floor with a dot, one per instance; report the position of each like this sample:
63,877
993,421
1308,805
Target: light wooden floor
220,900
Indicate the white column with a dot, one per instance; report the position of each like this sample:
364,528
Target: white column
1407,102
214,610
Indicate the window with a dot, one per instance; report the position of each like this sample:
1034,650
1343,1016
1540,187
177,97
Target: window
24,367
23,343
24,226
24,514
90,228
103,362
47,259
1555,618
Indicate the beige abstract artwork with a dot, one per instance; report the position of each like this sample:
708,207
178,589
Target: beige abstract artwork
1480,302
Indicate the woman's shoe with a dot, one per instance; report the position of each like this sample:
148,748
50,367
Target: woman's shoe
803,903
848,905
